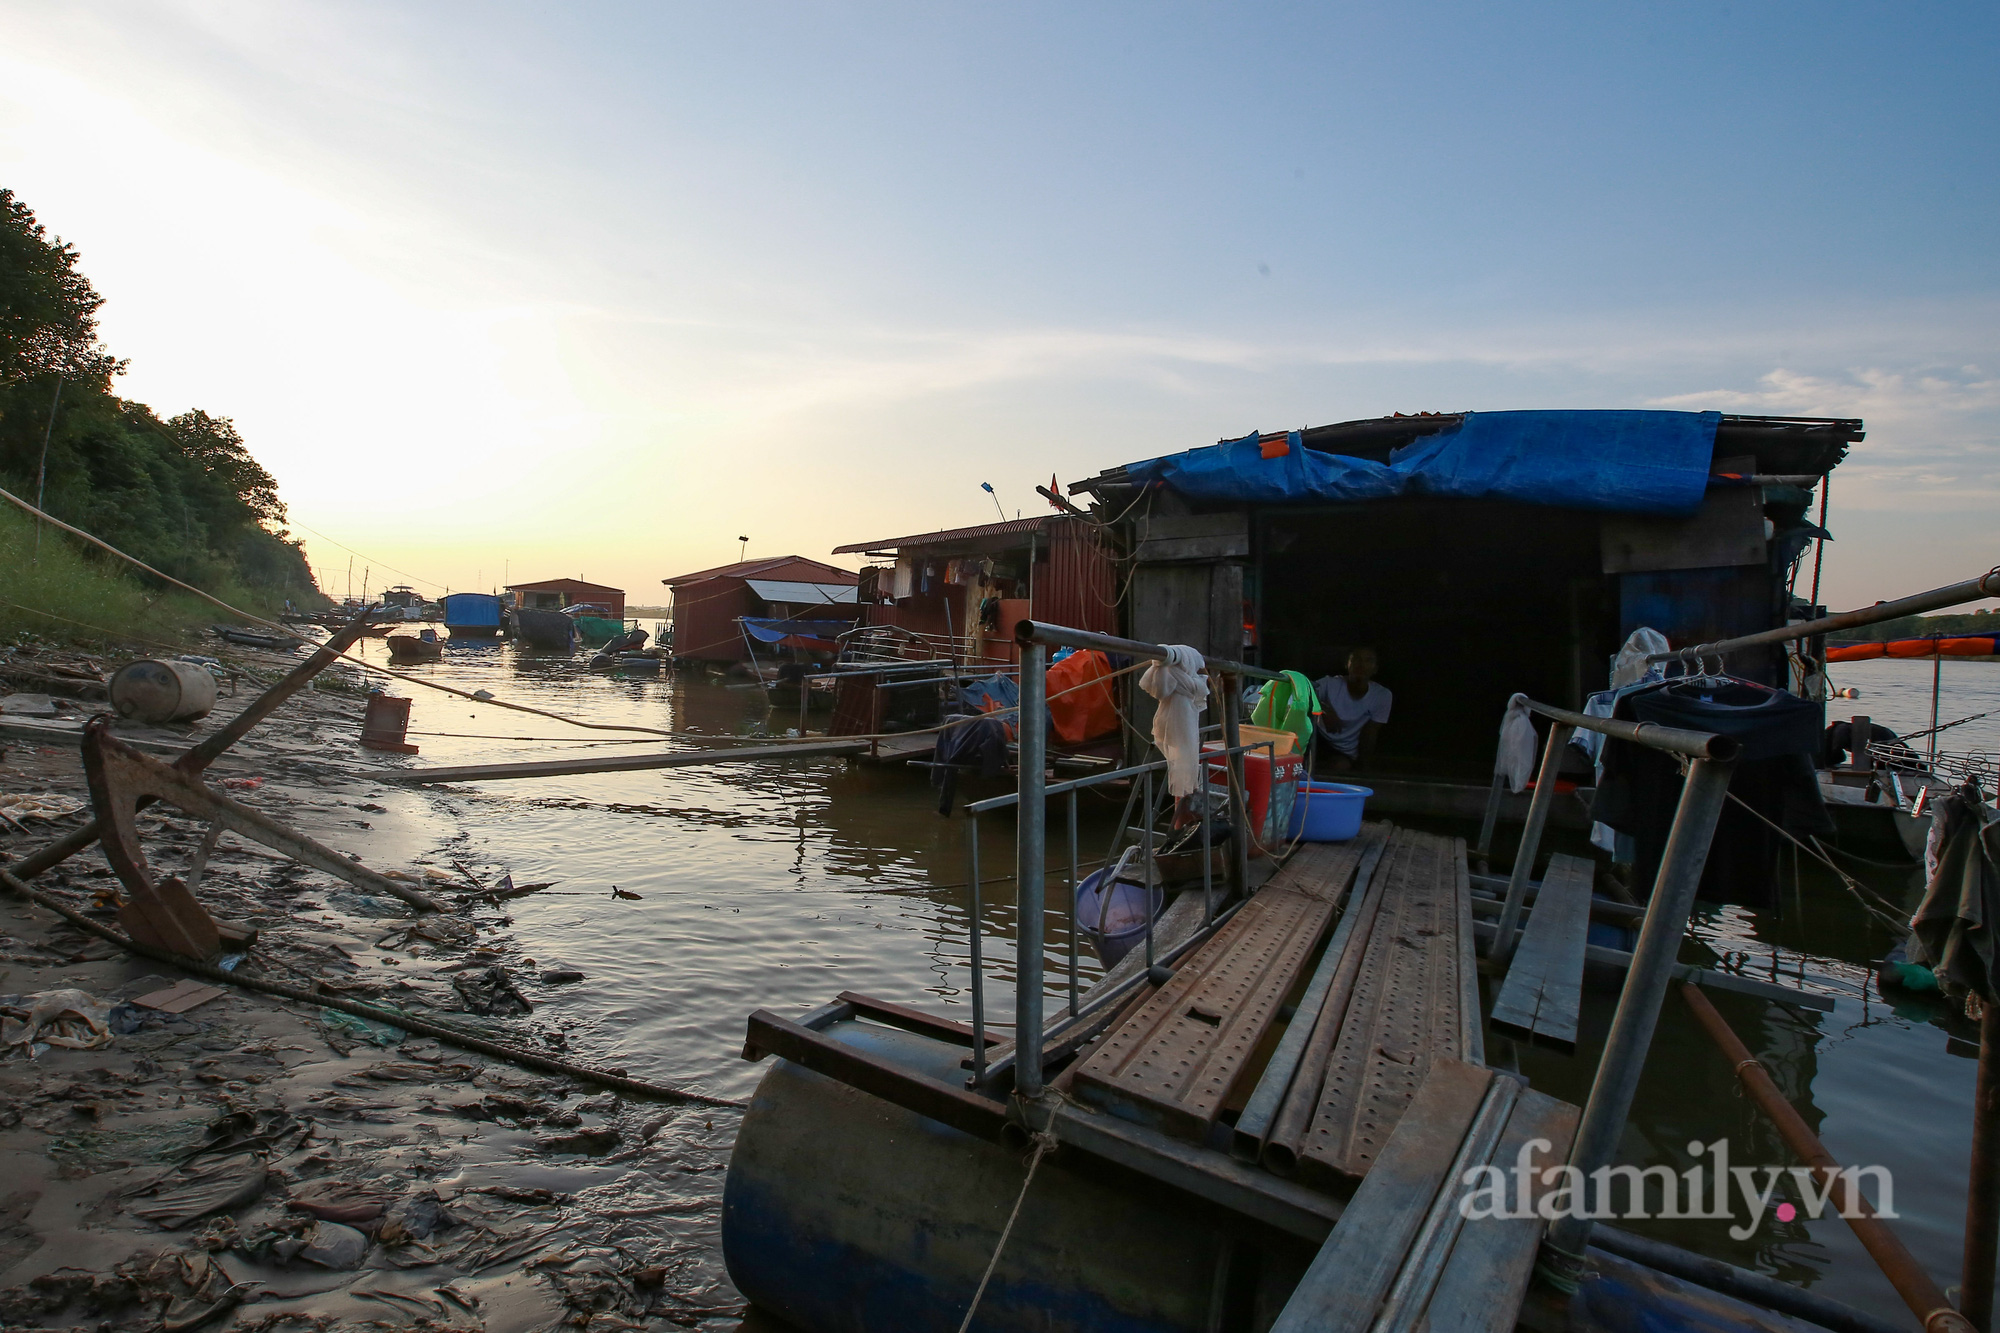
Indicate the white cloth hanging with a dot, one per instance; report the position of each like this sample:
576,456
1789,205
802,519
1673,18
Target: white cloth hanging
1182,689
1515,759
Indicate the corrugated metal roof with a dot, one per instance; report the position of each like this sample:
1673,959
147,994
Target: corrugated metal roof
743,568
785,590
560,585
1009,528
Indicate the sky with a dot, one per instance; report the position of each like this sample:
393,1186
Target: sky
506,291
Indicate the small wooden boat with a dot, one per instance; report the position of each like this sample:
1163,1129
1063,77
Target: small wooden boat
251,640
415,648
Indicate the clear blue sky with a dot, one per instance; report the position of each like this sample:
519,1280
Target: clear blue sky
593,292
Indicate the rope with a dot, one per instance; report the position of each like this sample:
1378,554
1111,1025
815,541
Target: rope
1877,909
390,1017
1045,1140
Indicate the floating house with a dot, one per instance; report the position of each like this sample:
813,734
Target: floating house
556,594
786,597
971,586
1479,554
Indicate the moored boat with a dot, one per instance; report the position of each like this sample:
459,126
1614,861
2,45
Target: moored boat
551,630
424,647
472,615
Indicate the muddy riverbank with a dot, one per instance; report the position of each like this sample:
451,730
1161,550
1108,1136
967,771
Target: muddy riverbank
273,1165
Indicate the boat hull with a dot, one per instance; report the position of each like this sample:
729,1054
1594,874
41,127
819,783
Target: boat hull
545,629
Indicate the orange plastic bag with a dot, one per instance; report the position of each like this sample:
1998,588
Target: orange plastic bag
1082,714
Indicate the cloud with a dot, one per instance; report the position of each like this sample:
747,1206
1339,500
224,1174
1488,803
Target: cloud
1931,430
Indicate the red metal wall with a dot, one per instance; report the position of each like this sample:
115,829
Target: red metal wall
705,615
1078,585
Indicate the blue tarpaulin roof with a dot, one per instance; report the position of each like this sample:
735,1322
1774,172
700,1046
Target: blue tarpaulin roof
1633,462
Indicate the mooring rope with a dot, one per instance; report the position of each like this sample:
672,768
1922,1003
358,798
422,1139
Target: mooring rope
1045,1140
388,1017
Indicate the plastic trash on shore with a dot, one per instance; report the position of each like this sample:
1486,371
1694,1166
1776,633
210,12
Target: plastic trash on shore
70,1019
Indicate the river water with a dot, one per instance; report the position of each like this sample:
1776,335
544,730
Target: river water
778,884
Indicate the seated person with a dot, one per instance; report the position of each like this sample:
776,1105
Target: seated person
1356,707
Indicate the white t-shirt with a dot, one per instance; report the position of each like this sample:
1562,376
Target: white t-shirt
1346,715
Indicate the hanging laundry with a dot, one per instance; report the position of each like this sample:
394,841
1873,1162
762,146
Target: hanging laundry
1182,689
1515,759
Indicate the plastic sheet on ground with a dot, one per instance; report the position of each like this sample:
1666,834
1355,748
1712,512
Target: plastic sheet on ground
66,1018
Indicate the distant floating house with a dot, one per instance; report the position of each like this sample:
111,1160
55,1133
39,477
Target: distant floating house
555,594
971,586
779,594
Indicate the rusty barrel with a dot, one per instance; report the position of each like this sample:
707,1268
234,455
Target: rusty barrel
155,691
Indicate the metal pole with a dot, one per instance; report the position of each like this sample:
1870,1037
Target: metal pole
1072,902
1239,809
1062,637
42,469
1531,843
1489,821
1819,543
1654,961
1982,1204
1972,590
1031,853
1146,868
1905,1274
1937,671
978,971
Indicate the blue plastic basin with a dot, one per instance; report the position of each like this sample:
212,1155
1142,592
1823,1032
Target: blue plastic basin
1328,811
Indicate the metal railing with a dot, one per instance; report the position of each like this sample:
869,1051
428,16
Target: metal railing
1711,761
1031,838
1144,793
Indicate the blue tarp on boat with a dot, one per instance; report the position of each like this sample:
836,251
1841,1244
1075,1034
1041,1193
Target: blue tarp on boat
816,635
1632,462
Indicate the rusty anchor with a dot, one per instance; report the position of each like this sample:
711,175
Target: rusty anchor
165,913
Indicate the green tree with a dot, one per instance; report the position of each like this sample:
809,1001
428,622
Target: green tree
48,309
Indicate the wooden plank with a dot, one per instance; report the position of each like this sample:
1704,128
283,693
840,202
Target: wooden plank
1404,1012
1233,546
1173,1065
1599,956
1544,986
1486,1277
1344,1286
548,768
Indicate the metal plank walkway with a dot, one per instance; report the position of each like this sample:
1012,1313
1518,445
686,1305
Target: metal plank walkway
1413,1000
1174,1063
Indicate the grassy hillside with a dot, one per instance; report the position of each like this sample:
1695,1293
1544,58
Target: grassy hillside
72,594
1917,627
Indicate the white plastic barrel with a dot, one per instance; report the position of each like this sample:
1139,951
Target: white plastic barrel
153,691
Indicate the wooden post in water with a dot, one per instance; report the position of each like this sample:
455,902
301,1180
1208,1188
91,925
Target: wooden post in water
1982,1202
